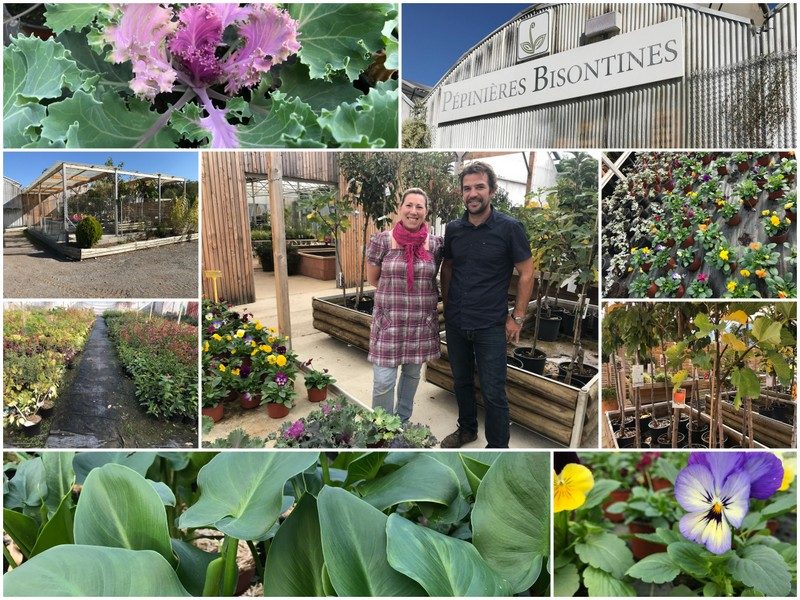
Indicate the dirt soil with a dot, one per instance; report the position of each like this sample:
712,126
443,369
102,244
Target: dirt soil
34,271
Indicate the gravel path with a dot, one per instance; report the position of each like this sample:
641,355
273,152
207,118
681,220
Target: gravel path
32,271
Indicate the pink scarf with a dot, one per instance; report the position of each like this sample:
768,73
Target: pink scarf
413,243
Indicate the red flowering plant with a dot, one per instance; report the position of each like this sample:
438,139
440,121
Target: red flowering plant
220,75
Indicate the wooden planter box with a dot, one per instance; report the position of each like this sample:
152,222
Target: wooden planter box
563,413
85,253
661,395
318,263
346,324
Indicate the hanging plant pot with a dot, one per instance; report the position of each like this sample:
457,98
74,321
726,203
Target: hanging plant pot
734,220
317,395
532,362
751,202
548,328
779,238
582,377
215,412
642,548
665,440
277,411
249,401
679,396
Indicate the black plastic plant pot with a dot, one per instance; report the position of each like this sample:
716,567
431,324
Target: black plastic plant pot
657,429
589,326
644,425
629,441
707,436
532,363
567,321
548,329
665,440
514,362
683,424
579,379
33,426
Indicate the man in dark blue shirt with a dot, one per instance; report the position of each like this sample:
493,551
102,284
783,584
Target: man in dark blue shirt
481,250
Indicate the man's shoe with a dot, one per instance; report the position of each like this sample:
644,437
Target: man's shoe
458,438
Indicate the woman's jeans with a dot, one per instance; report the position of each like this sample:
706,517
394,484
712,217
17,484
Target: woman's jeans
384,383
486,350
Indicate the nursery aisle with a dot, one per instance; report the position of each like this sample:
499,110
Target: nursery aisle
100,409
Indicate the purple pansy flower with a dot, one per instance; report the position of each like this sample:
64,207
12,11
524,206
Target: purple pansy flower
280,378
715,488
280,350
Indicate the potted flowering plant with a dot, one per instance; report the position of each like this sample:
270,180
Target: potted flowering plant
278,394
683,235
741,160
760,259
722,257
699,288
641,258
730,211
661,257
690,259
721,165
708,235
790,205
788,166
214,392
776,186
317,383
740,288
639,286
670,286
777,229
748,191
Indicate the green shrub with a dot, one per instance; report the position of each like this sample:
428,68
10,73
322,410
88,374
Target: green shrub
183,216
88,232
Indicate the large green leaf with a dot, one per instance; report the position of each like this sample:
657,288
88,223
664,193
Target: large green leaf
59,476
452,460
59,528
89,60
364,467
783,504
61,17
94,571
694,559
22,529
241,493
424,479
604,584
354,546
192,565
317,93
607,552
602,488
39,70
746,383
84,462
87,121
766,331
295,560
656,568
566,580
369,122
763,569
28,487
474,470
338,37
120,509
286,122
511,517
444,566
782,368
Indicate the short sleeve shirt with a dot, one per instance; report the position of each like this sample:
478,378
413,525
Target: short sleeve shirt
405,323
483,260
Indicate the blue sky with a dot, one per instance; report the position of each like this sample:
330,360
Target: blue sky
435,35
25,167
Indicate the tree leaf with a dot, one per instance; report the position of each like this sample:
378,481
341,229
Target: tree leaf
602,583
782,368
766,331
61,17
87,121
295,560
59,528
338,37
102,572
763,569
733,342
317,93
241,492
511,517
656,568
84,462
737,316
120,509
607,552
566,581
370,122
703,324
59,477
354,546
423,479
22,529
444,566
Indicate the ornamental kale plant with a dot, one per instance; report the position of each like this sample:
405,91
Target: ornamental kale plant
205,75
316,524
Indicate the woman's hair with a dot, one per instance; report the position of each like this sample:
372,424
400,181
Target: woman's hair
418,191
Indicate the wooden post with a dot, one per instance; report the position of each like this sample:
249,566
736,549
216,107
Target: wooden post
275,171
116,201
66,206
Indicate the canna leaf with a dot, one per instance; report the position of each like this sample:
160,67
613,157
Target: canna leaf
86,461
424,479
58,529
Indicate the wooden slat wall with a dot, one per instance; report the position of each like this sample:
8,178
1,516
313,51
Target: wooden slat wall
352,244
226,227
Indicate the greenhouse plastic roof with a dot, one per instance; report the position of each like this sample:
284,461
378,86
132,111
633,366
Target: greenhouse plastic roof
77,174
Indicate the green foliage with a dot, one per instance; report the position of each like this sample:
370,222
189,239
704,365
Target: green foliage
183,216
88,232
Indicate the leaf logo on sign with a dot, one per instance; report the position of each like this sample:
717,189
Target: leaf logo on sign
531,46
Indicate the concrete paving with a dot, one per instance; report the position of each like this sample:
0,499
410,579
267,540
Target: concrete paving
100,409
433,406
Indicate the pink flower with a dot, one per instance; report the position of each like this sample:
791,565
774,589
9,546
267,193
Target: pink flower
195,42
702,278
295,430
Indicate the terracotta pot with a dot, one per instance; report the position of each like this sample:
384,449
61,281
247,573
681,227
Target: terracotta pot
779,238
642,548
652,290
687,188
706,160
763,161
679,396
317,395
751,202
790,214
734,220
743,166
680,291
671,263
659,483
215,412
613,498
722,170
696,263
669,243
646,267
776,194
277,411
250,401
688,242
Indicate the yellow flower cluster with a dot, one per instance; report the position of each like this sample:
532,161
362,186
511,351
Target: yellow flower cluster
724,254
731,285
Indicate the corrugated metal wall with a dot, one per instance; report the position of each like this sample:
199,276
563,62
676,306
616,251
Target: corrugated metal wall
694,112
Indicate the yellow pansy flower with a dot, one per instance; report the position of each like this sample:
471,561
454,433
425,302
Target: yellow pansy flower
240,333
216,336
205,347
571,486
258,326
723,254
731,285
265,348
271,359
271,339
228,337
235,372
744,273
271,329
775,220
254,352
789,471
281,360
222,367
764,213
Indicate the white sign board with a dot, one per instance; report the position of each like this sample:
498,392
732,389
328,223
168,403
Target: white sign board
643,56
533,37
637,375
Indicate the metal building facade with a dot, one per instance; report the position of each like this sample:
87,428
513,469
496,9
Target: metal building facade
738,90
